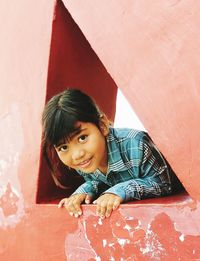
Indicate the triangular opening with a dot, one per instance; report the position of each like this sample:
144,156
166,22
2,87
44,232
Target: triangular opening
72,63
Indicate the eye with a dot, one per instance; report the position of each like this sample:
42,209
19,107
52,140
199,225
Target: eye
82,138
63,148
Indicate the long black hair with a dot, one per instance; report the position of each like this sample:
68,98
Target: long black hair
59,118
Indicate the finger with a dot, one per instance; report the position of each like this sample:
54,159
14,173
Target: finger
88,199
76,204
69,206
73,207
116,204
62,202
109,208
101,209
77,208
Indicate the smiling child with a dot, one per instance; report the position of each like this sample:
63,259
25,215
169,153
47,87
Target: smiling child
118,165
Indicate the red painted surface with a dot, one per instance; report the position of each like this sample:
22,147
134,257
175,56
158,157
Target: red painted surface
151,51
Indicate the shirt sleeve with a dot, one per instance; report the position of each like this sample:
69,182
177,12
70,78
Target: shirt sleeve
91,187
139,189
152,177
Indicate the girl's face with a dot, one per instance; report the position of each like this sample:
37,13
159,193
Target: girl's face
86,150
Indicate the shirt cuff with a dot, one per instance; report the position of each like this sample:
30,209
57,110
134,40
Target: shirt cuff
117,190
86,189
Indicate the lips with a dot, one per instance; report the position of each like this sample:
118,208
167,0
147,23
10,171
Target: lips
84,164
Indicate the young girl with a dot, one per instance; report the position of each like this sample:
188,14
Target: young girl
117,165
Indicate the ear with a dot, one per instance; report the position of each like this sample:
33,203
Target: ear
104,125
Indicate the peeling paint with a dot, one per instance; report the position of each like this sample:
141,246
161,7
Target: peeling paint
78,246
123,241
173,211
127,227
104,241
100,221
152,246
182,238
149,238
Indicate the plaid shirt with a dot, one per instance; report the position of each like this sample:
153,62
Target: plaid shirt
136,168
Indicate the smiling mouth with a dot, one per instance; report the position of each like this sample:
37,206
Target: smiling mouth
84,164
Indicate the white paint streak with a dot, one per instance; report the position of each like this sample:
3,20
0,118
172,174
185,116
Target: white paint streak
100,222
123,241
127,227
152,247
139,225
182,237
129,218
104,241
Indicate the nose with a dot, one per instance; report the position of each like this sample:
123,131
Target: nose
77,154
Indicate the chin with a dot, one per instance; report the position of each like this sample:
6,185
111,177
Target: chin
89,170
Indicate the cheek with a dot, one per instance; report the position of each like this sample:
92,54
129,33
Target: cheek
100,146
64,158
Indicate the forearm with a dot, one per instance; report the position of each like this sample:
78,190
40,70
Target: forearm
140,189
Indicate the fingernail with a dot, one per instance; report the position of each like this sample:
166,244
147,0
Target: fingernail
87,201
71,214
76,215
79,212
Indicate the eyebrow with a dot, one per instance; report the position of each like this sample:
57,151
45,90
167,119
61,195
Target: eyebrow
74,134
77,132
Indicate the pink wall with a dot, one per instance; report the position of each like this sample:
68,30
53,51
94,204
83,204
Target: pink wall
157,69
151,50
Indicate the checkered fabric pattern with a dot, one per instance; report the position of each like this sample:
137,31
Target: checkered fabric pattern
136,168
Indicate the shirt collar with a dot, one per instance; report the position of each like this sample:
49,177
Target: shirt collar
115,160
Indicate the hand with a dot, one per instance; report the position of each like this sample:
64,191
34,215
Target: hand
106,204
73,203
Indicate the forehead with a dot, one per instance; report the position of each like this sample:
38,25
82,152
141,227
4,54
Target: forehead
84,126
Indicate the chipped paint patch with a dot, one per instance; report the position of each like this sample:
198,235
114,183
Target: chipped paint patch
78,246
104,241
100,221
152,247
123,238
175,211
182,238
123,241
